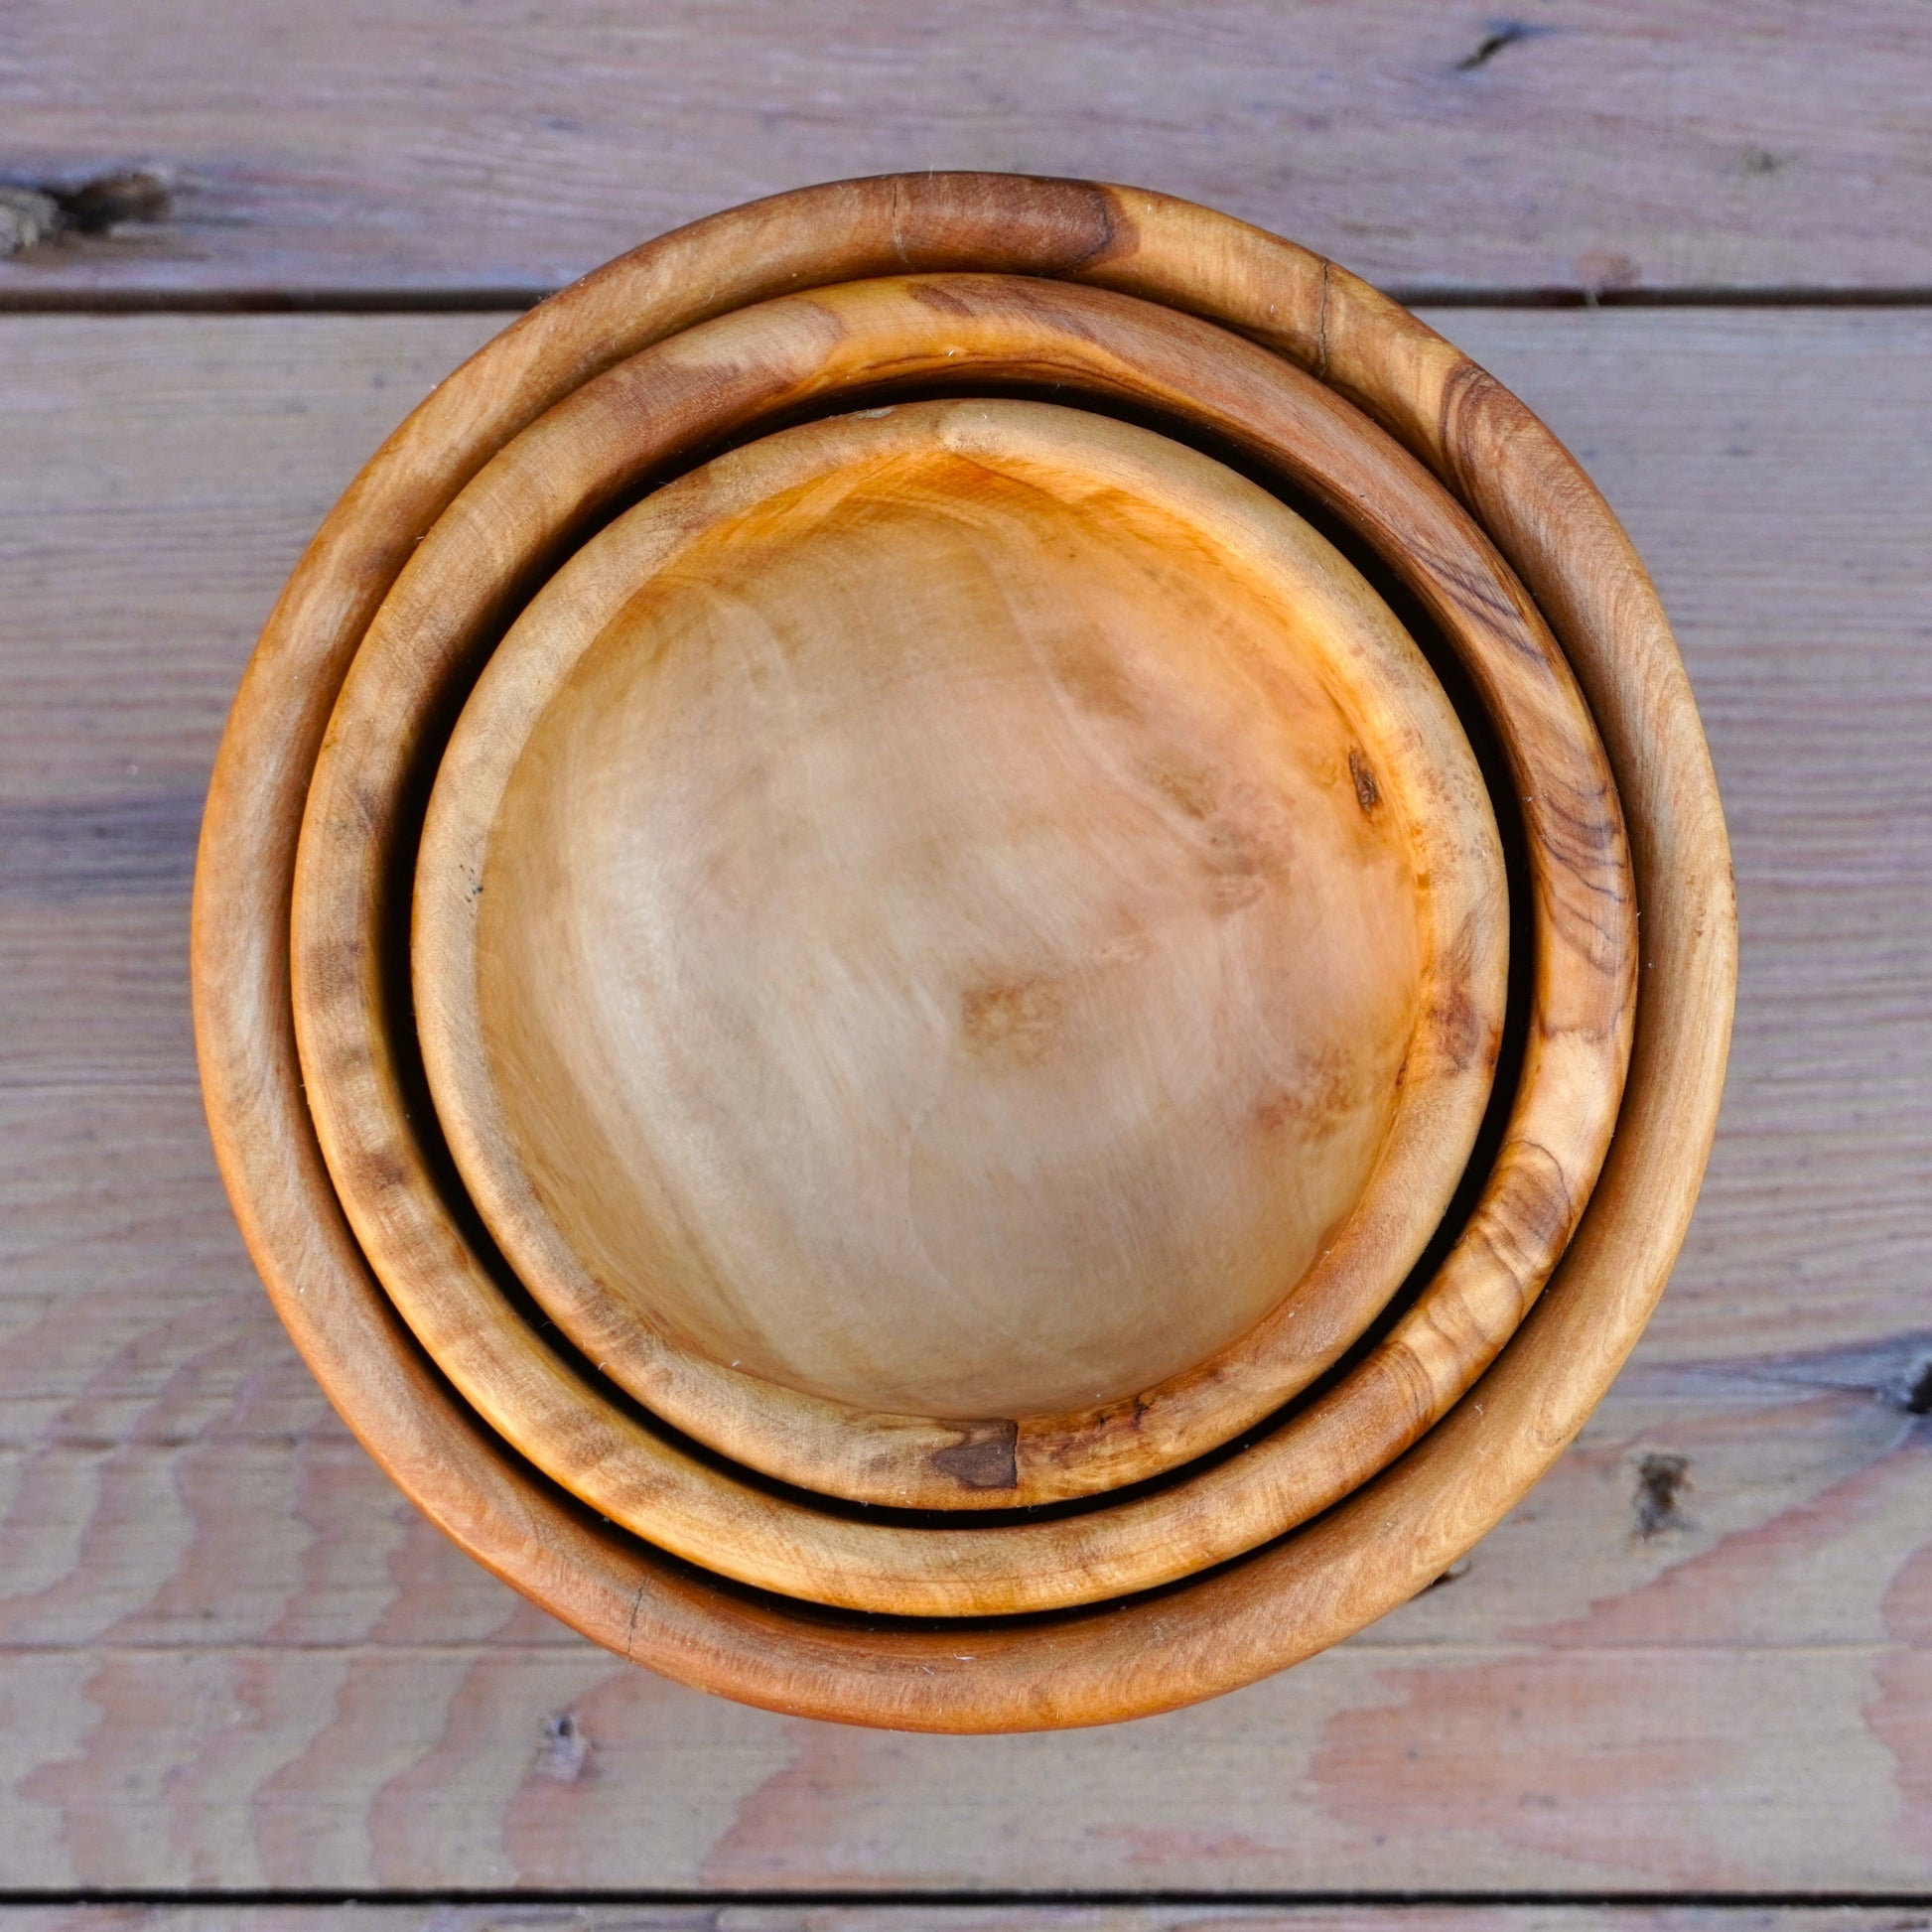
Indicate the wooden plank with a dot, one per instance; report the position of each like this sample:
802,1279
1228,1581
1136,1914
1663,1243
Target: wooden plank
230,1657
161,481
444,145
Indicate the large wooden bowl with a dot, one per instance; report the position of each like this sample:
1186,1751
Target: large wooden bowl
431,632
1370,1552
943,921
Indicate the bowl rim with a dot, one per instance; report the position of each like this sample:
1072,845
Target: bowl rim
1384,1541
1564,1104
1459,899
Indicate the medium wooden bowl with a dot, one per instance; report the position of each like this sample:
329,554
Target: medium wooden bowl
436,623
1373,1549
965,909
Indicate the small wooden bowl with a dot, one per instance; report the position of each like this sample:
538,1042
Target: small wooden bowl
939,923
1372,1550
437,622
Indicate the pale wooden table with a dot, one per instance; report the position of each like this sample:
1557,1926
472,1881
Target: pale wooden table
1695,1667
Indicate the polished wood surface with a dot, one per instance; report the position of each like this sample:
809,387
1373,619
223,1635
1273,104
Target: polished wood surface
1581,920
233,1654
931,909
1305,1591
1558,1126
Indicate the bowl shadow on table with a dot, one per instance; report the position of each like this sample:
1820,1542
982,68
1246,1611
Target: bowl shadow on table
398,996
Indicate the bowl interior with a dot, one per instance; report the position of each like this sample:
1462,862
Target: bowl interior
949,944
1248,1617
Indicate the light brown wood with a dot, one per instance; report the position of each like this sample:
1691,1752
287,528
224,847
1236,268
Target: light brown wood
431,145
235,1655
930,911
1308,1590
1558,1126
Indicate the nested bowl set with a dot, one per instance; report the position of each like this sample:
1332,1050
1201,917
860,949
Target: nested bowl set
918,954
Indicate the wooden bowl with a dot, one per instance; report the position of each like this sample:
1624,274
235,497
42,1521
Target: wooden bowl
939,923
1366,1555
437,621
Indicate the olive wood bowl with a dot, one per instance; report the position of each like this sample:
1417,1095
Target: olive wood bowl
965,909
1375,1549
435,625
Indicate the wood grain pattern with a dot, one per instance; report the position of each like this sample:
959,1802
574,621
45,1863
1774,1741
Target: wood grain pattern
981,835
424,641
1727,1703
420,653
1389,1537
434,144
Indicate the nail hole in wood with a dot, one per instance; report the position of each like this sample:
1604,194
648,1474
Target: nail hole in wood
1661,1482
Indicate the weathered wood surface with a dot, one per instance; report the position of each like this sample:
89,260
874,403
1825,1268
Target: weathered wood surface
230,1657
439,144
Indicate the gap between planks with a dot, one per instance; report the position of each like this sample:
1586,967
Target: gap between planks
458,301
1099,1911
